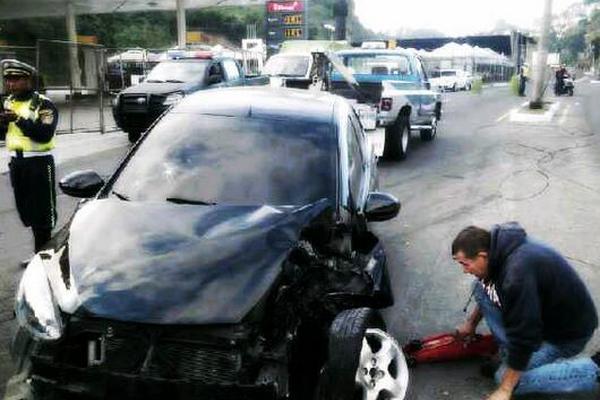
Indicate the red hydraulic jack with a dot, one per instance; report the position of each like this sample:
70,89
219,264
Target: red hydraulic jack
448,347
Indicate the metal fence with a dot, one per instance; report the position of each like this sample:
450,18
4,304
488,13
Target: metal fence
82,79
73,76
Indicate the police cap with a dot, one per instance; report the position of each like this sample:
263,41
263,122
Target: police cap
16,68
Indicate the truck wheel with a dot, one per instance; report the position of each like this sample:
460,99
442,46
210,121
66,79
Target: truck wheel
133,136
364,362
429,134
570,91
397,141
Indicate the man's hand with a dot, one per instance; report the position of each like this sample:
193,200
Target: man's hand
466,330
8,116
500,394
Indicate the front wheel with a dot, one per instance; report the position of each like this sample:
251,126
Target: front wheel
397,141
428,135
364,362
570,91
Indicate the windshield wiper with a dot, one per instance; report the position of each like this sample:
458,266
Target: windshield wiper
188,201
120,196
155,81
174,81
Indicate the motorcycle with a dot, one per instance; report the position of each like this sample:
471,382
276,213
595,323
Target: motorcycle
567,87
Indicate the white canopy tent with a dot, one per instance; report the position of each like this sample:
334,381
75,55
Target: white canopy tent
469,58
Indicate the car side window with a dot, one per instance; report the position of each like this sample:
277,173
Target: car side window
231,70
355,159
215,73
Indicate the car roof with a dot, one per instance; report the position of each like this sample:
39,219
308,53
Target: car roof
262,102
376,51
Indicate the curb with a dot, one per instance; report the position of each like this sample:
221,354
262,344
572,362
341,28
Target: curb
518,116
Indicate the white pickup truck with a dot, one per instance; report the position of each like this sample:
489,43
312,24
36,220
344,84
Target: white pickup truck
395,85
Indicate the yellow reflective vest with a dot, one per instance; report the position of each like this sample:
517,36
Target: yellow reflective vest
27,109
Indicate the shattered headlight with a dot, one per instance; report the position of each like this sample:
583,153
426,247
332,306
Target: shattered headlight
35,308
173,98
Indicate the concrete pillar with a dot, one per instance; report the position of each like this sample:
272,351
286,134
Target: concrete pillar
181,25
74,69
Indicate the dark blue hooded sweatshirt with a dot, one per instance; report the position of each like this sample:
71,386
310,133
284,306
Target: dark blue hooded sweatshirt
542,297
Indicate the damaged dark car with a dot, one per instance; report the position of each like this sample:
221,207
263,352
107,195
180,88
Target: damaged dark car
228,257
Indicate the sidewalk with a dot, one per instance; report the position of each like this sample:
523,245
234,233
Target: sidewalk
77,145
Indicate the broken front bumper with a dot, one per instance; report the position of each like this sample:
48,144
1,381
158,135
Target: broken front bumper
47,380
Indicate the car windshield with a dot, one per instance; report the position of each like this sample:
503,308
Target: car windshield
202,159
173,71
448,73
282,65
378,64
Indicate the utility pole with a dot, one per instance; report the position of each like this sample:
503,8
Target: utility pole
340,13
539,77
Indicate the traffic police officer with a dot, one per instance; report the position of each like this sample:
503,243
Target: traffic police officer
27,123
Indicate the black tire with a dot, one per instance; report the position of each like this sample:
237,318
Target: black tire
397,141
454,88
428,135
570,91
133,136
345,343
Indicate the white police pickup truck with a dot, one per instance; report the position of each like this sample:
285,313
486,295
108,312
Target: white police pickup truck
394,84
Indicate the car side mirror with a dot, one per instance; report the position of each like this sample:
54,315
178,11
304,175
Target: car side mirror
381,207
81,184
214,79
427,85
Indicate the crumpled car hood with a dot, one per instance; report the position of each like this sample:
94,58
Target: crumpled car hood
165,263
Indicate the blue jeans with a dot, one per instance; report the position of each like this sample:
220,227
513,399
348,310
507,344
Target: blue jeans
550,371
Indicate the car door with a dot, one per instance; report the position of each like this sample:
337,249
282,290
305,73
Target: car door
367,249
233,76
426,100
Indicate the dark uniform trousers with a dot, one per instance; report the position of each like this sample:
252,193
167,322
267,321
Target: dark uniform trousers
33,182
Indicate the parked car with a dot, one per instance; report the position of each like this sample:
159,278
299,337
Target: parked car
394,82
229,256
137,107
301,64
290,70
451,79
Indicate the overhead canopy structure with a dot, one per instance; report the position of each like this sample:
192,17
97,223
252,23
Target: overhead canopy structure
16,9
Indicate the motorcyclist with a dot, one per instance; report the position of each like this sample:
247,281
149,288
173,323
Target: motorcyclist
561,74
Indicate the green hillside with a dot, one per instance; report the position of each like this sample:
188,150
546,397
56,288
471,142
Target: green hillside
158,29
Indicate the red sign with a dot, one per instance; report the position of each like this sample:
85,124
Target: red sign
288,6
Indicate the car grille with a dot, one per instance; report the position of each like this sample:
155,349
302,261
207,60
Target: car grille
147,354
175,360
134,103
141,103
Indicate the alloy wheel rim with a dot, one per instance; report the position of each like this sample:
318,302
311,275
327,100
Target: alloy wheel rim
382,371
404,139
434,123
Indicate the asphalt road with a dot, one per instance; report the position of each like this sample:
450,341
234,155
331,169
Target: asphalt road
481,169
